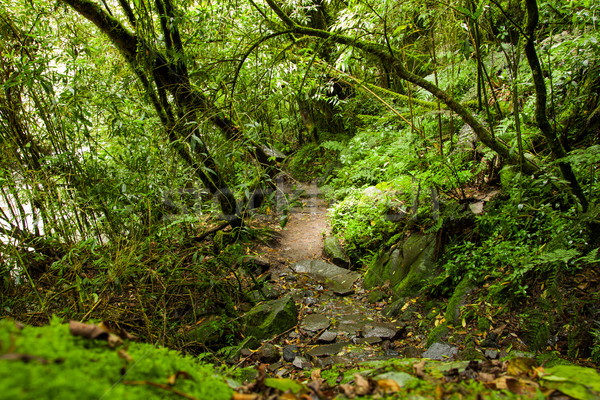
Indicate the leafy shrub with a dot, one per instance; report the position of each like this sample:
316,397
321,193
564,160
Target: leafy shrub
363,219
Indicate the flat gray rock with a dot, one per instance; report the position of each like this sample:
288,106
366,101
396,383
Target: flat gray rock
315,322
340,280
327,349
381,330
302,363
367,340
352,323
440,351
327,336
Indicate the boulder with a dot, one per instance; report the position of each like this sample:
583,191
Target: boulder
441,351
404,267
333,250
271,318
339,280
209,331
268,354
290,352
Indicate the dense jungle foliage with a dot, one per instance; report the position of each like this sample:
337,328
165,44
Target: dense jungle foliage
144,142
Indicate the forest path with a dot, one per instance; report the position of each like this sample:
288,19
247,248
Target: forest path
303,235
334,326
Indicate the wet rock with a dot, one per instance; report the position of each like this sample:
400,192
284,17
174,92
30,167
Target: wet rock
333,250
367,340
256,264
327,336
440,351
335,278
315,322
381,330
477,208
302,363
268,354
324,362
271,318
274,366
458,301
267,292
352,324
411,352
290,352
327,349
208,331
404,267
309,301
376,296
491,354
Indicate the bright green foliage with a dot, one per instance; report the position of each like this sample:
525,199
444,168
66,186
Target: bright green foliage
66,367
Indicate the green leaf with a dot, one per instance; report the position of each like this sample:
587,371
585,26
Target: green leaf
577,382
284,384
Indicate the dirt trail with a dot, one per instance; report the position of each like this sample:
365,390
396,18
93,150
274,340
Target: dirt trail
334,326
302,237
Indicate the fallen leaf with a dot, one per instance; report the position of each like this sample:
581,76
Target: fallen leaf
420,369
124,355
244,396
179,374
521,366
388,386
522,386
362,386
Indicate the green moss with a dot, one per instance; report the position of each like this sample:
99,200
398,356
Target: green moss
69,367
436,334
453,310
483,324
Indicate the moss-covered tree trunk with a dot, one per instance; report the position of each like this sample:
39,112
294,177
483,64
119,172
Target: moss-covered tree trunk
541,117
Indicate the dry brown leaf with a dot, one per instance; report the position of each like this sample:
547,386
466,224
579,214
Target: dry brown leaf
88,331
179,374
388,386
485,377
315,374
522,386
347,390
244,396
362,386
420,368
521,366
23,357
124,355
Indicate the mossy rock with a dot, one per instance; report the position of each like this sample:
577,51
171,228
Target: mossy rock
405,267
209,331
418,257
271,318
457,301
436,334
333,250
48,362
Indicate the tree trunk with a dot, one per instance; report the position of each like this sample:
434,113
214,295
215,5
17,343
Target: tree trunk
558,151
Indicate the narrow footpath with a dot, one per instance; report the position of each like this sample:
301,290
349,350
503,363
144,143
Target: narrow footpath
337,323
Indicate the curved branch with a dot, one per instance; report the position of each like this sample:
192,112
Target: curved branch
247,54
381,52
